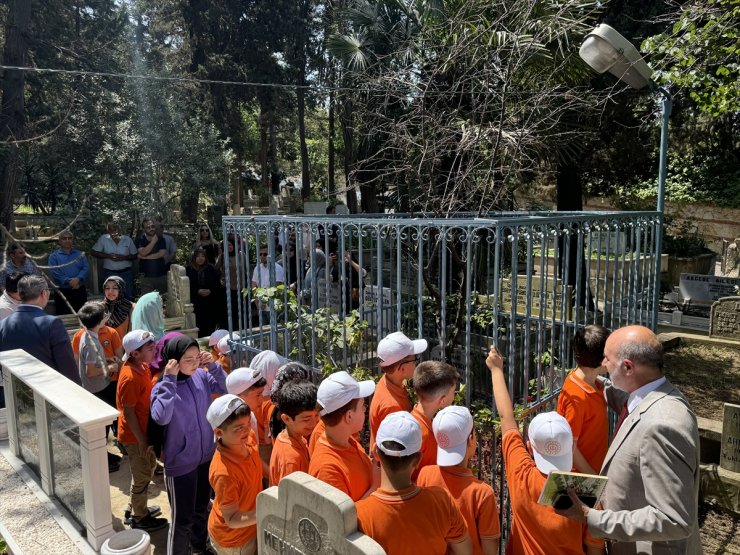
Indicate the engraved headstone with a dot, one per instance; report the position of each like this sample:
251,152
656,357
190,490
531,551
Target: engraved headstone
544,295
303,515
705,289
724,318
729,458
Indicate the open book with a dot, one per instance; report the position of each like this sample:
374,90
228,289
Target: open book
589,488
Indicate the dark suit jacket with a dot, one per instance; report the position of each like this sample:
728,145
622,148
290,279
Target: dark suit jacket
42,336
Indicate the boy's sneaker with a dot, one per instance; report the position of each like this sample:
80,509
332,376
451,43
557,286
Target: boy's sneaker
149,523
154,510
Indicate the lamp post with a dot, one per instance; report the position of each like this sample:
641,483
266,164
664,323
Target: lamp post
604,49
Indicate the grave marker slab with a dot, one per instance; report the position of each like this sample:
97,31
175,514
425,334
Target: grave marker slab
303,515
729,458
706,289
724,318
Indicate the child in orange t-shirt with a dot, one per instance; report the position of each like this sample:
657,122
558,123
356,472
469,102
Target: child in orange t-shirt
398,356
582,401
456,445
402,517
536,528
248,384
435,383
268,362
224,352
235,475
133,402
297,410
338,459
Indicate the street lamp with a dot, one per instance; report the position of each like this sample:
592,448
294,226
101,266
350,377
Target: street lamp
604,49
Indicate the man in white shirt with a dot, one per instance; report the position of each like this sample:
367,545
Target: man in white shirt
10,299
261,278
650,504
118,253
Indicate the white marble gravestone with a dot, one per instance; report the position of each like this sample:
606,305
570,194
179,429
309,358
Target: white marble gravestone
303,515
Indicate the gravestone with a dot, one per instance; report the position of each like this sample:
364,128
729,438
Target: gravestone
303,515
724,319
706,289
729,458
545,296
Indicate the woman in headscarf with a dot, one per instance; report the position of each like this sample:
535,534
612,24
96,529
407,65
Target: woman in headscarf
179,402
205,292
207,242
117,305
230,251
267,362
148,315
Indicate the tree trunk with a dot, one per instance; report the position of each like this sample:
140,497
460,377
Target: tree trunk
348,136
305,177
272,153
264,147
12,114
331,185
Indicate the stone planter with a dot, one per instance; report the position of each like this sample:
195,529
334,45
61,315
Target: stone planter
3,424
677,265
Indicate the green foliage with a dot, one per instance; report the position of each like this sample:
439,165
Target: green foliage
701,53
683,240
331,332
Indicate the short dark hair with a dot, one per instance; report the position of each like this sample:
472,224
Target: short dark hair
646,353
335,417
297,397
91,313
432,378
12,247
242,411
261,383
396,464
31,286
11,282
588,345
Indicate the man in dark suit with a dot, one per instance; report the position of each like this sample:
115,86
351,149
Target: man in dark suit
39,334
650,502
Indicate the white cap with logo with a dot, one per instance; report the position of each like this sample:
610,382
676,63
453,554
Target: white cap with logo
401,428
552,442
396,346
452,427
242,379
223,344
340,388
134,340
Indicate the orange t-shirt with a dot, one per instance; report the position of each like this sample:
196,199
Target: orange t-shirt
388,398
317,432
109,339
288,455
236,480
411,521
225,362
428,443
585,410
536,529
263,416
346,468
475,499
134,389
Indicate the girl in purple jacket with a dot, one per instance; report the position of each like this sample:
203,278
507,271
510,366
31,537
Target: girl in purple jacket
180,401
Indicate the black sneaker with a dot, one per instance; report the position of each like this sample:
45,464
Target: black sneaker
149,523
154,510
113,466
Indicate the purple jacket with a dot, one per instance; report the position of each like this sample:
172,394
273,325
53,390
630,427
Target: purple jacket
180,406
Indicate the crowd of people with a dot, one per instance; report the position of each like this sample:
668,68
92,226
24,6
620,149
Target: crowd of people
413,485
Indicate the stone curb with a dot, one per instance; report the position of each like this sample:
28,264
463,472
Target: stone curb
12,547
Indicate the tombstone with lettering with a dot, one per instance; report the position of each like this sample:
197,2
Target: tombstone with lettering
303,515
729,458
700,288
724,319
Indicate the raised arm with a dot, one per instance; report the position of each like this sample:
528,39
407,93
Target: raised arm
501,396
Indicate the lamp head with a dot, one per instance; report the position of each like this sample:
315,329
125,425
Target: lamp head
606,50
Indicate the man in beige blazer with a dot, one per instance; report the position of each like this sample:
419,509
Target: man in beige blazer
650,502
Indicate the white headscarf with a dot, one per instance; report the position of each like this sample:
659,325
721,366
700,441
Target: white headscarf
269,362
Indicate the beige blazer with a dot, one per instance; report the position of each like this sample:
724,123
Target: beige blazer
651,500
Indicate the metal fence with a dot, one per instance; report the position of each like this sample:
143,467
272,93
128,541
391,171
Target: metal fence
524,281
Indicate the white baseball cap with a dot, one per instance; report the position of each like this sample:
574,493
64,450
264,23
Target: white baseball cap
402,428
396,346
223,407
216,336
339,389
223,344
552,442
242,379
452,427
135,339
